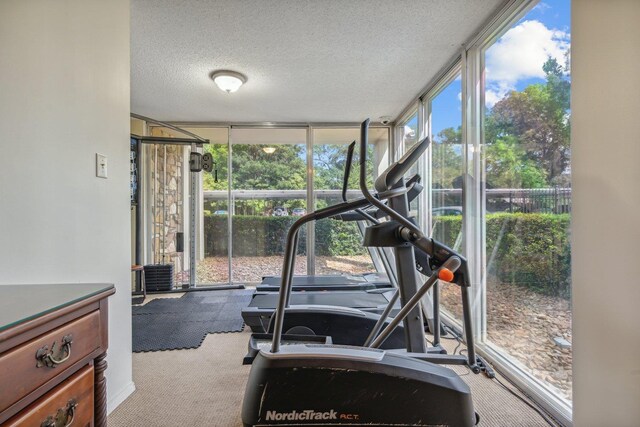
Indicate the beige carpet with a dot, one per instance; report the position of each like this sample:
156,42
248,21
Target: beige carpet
204,387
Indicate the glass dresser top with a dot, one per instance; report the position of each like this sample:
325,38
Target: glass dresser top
20,303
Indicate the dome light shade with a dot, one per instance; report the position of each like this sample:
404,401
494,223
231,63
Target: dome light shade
228,81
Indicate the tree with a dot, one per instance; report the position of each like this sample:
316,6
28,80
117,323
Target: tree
254,169
329,163
220,155
507,166
446,158
558,85
533,125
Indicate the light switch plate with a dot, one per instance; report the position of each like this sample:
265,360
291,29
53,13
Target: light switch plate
101,165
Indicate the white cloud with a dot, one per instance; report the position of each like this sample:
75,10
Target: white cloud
542,7
519,54
492,96
496,90
409,133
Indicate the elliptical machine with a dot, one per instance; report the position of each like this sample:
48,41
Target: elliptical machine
316,384
341,317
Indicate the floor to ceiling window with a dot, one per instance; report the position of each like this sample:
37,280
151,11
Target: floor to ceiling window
444,118
258,187
407,136
212,251
499,190
527,194
338,244
268,192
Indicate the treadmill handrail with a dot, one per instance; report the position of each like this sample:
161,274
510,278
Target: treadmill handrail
289,258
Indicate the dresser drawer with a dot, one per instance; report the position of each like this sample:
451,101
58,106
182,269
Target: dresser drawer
32,364
69,404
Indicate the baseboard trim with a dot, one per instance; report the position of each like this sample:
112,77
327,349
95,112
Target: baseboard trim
120,397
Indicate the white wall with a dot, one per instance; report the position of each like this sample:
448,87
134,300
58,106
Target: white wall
64,96
606,212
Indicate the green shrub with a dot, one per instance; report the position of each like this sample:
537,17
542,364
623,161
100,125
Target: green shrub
530,250
266,235
338,238
447,228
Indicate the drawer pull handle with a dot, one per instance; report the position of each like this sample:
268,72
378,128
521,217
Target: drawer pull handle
64,417
47,358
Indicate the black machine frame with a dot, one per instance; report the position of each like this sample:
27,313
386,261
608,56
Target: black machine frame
366,385
391,186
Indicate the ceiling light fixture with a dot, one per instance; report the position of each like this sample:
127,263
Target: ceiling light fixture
269,150
228,81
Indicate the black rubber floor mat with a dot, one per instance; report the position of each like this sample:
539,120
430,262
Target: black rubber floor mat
137,300
181,323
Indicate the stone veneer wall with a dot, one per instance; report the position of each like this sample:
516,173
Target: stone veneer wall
165,225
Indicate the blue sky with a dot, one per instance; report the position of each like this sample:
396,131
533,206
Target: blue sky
514,61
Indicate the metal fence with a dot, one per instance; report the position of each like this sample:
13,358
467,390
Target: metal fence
528,200
540,200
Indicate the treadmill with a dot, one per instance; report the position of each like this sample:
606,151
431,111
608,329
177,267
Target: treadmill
340,322
345,282
329,282
258,314
368,296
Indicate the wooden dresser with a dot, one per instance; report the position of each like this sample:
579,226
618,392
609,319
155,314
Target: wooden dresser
53,343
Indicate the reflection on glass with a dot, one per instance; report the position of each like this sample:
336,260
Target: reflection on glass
268,194
528,196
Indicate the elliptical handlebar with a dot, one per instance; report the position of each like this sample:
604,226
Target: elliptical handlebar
347,170
345,185
392,174
409,231
439,253
425,244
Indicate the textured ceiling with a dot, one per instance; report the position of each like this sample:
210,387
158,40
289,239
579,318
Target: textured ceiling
305,60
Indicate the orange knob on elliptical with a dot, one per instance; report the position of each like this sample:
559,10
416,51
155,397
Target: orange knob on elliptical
445,274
